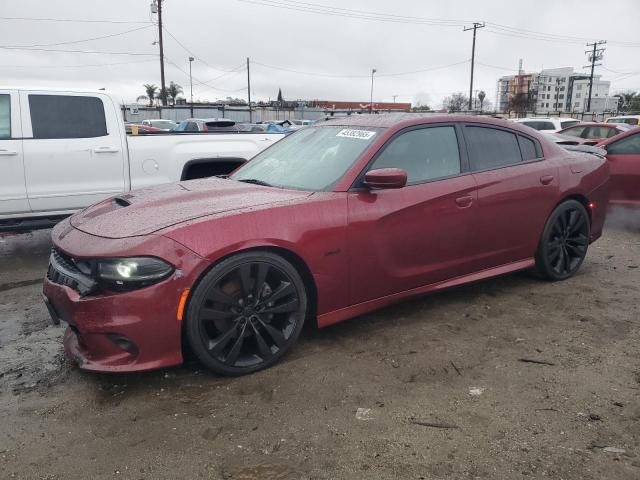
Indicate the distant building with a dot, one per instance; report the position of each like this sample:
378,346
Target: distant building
557,90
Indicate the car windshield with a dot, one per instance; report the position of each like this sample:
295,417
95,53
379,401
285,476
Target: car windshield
163,124
311,159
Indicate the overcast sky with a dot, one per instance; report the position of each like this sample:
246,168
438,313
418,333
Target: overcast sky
335,43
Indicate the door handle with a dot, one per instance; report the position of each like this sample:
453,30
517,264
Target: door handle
105,150
8,152
464,202
546,179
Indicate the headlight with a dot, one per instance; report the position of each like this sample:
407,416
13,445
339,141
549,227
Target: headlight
131,273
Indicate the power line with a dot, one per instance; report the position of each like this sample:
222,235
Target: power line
77,66
83,40
93,52
72,20
193,54
495,28
328,75
176,66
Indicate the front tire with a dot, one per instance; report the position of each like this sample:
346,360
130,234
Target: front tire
246,313
564,242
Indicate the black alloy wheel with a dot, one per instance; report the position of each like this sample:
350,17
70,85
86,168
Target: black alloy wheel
564,242
246,313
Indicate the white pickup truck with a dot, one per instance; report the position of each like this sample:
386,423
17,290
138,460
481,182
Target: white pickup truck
62,150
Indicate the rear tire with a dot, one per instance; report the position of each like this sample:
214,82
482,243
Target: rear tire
564,242
246,313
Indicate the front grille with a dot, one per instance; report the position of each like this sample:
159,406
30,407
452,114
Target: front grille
63,271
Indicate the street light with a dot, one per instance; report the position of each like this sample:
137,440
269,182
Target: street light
191,59
371,102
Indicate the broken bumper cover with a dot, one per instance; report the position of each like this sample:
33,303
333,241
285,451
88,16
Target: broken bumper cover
122,331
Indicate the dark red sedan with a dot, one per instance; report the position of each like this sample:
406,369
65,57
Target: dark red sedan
623,153
591,133
329,223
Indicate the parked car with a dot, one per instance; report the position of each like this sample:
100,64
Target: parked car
591,133
140,129
207,125
547,124
166,125
302,122
331,222
623,153
251,127
62,150
628,119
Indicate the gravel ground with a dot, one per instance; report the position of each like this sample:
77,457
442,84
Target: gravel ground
503,379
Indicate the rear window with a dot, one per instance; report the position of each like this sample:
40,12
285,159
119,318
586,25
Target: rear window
5,117
540,125
491,148
527,148
67,116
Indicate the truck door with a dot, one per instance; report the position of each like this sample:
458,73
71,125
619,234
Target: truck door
13,193
73,149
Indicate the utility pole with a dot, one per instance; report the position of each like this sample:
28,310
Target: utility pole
156,7
475,26
595,55
249,91
371,99
394,98
191,59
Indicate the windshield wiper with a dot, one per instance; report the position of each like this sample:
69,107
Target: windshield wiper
255,181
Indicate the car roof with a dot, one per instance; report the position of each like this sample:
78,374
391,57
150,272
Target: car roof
403,120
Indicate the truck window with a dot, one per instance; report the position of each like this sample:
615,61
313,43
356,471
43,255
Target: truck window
5,117
67,116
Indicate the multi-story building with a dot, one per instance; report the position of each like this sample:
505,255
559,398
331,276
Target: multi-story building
557,90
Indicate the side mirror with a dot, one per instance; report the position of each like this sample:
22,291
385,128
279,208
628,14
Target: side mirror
386,178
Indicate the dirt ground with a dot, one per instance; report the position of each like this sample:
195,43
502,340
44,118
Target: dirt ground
353,401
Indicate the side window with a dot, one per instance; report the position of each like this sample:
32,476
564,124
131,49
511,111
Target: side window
5,117
547,125
67,116
627,146
491,148
425,154
568,123
597,132
574,132
527,148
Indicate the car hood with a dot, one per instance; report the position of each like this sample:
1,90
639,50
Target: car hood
145,211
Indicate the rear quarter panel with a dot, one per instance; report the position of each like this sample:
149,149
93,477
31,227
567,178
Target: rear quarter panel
586,175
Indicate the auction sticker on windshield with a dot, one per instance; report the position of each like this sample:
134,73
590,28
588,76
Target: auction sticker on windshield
351,133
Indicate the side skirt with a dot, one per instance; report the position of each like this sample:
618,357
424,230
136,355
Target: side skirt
336,316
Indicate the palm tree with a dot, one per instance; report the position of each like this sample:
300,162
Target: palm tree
151,91
628,98
173,91
481,96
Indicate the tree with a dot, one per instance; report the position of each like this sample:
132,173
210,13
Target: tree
151,90
142,98
481,96
280,99
163,95
521,103
456,102
173,91
630,101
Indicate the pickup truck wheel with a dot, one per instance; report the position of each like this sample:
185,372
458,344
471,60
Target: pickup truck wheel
246,313
564,242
